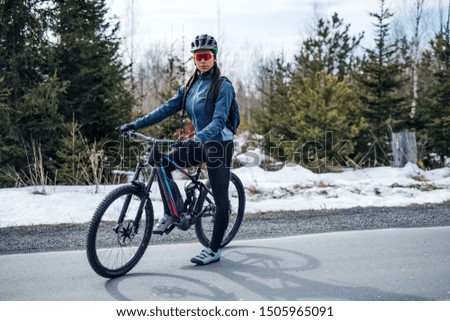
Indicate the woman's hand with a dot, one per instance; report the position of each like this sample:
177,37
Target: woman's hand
125,128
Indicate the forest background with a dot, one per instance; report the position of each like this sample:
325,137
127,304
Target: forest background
67,80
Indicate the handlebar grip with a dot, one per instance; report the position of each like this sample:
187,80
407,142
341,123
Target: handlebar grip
132,134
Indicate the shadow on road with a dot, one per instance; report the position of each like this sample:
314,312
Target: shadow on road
246,273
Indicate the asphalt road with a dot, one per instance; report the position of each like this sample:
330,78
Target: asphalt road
395,264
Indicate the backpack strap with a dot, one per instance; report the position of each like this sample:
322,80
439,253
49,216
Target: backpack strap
220,82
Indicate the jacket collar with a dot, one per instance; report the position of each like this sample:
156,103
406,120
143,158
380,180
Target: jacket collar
207,75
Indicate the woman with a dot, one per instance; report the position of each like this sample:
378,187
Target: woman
213,141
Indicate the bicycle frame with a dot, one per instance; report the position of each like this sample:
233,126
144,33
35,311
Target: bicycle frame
192,209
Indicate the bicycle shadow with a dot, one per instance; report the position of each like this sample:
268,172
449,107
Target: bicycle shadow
245,273
270,277
175,288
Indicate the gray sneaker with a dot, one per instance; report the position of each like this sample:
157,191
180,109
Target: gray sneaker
162,224
206,256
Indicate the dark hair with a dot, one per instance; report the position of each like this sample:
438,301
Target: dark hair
215,80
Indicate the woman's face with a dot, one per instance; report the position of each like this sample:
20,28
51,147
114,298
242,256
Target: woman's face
204,60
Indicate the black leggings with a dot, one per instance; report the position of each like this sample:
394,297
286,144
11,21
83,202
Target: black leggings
217,156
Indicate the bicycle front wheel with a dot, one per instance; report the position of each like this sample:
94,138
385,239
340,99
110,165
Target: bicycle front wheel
204,226
115,242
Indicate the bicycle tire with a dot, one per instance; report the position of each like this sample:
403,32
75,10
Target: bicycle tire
204,226
113,249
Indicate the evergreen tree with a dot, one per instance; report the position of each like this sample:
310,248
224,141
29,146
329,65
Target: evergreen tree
426,84
437,103
381,79
328,118
424,112
74,155
276,120
86,57
312,121
29,110
5,120
39,113
330,49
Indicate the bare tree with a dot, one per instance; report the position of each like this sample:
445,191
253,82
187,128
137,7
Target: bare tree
131,23
227,61
150,75
419,4
416,26
160,72
444,23
130,26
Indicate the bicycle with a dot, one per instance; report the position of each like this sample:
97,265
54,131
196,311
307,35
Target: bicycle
119,233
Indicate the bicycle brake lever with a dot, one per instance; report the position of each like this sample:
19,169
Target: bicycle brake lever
128,134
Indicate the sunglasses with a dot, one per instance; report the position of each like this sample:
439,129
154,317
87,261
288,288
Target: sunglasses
205,55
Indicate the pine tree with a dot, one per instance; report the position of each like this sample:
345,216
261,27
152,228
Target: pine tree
328,118
21,37
425,87
29,110
74,156
381,79
86,57
39,113
330,49
5,120
437,104
276,120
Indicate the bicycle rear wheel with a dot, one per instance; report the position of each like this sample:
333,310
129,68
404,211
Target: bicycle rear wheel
204,226
113,247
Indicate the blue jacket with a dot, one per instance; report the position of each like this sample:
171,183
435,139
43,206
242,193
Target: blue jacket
209,121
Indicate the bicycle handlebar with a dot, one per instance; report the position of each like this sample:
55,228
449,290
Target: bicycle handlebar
134,134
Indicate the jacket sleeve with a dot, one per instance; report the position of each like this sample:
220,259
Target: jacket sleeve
220,116
171,107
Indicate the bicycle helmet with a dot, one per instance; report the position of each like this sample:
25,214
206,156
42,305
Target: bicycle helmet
204,41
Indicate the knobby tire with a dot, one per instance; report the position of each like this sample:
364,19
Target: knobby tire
204,226
112,254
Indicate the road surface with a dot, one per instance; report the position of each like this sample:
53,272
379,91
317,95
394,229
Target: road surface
394,264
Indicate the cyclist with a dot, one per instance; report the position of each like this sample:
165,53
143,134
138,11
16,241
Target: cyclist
213,141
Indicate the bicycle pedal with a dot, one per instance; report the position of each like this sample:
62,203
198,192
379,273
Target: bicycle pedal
169,229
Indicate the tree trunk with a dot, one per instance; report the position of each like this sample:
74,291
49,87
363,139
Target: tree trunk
404,148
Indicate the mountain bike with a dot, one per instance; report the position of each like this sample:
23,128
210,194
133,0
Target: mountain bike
121,227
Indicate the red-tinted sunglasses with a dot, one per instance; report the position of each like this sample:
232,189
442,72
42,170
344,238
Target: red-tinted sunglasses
204,55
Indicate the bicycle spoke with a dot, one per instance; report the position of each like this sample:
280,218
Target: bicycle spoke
204,227
114,244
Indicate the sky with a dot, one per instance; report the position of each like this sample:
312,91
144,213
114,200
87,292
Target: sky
243,28
291,188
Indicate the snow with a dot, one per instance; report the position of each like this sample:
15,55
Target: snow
291,188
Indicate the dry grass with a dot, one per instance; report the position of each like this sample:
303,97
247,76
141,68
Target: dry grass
420,178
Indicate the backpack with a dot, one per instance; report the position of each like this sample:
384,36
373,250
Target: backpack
234,117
